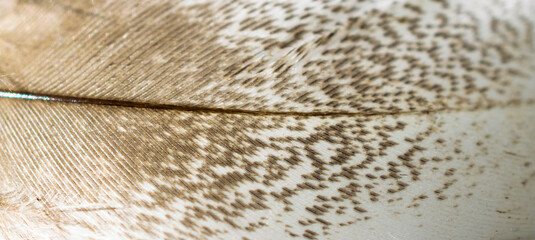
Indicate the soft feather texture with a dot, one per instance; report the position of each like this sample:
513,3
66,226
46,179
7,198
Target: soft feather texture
311,119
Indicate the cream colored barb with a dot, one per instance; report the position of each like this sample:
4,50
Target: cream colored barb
262,119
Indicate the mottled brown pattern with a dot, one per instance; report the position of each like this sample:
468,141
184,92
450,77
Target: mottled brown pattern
352,56
166,173
319,120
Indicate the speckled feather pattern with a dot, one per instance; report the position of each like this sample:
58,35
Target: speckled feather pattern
336,120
